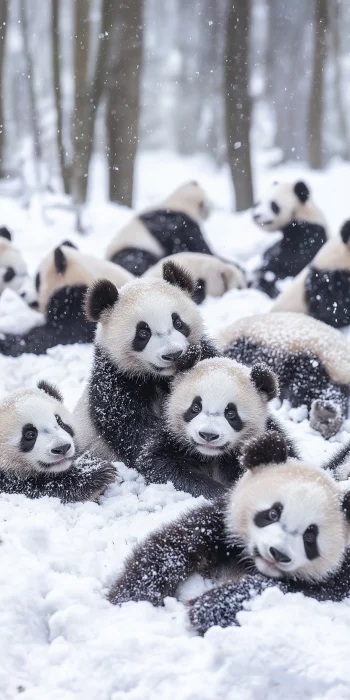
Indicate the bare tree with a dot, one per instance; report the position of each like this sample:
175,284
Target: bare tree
334,19
238,103
3,28
56,69
316,103
33,108
123,101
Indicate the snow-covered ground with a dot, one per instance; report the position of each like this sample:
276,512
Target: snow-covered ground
60,639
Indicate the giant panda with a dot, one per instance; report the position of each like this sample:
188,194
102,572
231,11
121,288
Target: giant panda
38,450
285,523
61,282
322,289
147,331
13,270
213,275
172,227
311,360
287,208
212,411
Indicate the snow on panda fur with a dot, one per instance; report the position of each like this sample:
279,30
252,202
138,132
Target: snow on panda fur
311,361
172,227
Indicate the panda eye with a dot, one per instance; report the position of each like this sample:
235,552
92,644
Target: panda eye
310,542
275,208
266,517
310,534
196,408
143,333
9,274
274,515
177,324
30,433
231,414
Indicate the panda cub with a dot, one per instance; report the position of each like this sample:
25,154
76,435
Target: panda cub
322,289
147,331
211,412
61,283
13,270
172,227
213,275
38,451
284,520
288,208
311,360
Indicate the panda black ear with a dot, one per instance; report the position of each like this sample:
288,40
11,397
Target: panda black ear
179,277
51,390
345,504
100,297
70,244
270,448
345,232
60,261
302,191
265,381
5,233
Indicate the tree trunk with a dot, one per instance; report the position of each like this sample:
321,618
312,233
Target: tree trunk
123,102
237,101
335,34
37,151
3,28
315,115
65,174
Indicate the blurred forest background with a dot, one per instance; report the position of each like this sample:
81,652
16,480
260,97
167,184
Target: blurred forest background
110,77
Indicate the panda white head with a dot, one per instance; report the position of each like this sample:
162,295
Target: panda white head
36,431
219,404
191,199
284,203
290,517
13,270
148,324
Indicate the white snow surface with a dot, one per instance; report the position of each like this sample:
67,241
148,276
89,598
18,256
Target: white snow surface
60,638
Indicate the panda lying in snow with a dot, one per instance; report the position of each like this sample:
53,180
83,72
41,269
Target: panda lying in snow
284,519
13,270
323,288
289,209
146,332
212,411
61,282
311,360
170,228
38,451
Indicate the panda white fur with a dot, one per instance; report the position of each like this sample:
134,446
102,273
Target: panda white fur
311,360
146,330
213,276
13,270
172,227
322,289
212,411
285,520
38,452
287,208
61,282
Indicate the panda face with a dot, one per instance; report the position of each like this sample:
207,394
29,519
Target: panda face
13,271
40,430
150,327
215,407
277,207
289,519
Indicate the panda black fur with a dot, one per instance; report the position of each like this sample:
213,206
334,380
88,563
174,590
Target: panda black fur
13,270
61,283
146,331
288,208
311,360
322,289
213,275
171,228
212,411
38,453
285,520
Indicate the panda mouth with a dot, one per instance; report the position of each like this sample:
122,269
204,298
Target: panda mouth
57,463
210,446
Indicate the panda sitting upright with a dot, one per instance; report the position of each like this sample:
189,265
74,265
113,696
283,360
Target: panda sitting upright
289,209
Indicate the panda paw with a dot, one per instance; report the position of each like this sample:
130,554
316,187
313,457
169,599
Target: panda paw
214,608
189,359
325,417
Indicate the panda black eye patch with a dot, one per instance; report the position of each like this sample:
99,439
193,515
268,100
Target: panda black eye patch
37,281
194,409
142,336
9,274
310,542
180,325
275,208
28,438
269,516
233,418
64,426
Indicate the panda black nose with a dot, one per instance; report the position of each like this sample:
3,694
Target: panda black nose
279,556
208,437
62,449
172,356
